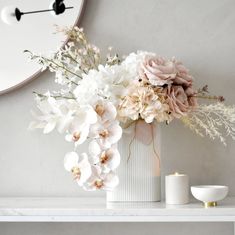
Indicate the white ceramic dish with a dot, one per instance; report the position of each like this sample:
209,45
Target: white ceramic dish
209,194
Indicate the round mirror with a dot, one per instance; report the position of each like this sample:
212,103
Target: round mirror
33,31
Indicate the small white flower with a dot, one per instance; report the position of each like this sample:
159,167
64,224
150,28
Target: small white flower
101,181
79,166
107,159
105,110
94,148
107,133
78,132
79,127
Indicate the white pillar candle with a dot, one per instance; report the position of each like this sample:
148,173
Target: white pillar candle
177,189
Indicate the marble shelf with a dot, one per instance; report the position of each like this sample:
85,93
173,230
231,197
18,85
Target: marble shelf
97,210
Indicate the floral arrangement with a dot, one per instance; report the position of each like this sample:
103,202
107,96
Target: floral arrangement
98,96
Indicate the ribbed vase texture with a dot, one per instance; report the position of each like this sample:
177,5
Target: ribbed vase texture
139,171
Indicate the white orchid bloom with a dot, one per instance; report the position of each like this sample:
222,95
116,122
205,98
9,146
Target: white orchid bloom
101,181
106,111
107,159
107,133
79,127
79,166
78,132
87,114
94,148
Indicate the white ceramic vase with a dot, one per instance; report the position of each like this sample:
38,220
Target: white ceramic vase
139,171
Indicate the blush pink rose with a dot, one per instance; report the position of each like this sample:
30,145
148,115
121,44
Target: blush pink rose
191,96
178,100
182,76
157,71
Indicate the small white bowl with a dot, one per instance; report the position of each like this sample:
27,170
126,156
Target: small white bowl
209,194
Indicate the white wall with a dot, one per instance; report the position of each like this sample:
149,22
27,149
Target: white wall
201,33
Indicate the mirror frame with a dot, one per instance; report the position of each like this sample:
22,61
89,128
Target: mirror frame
39,72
